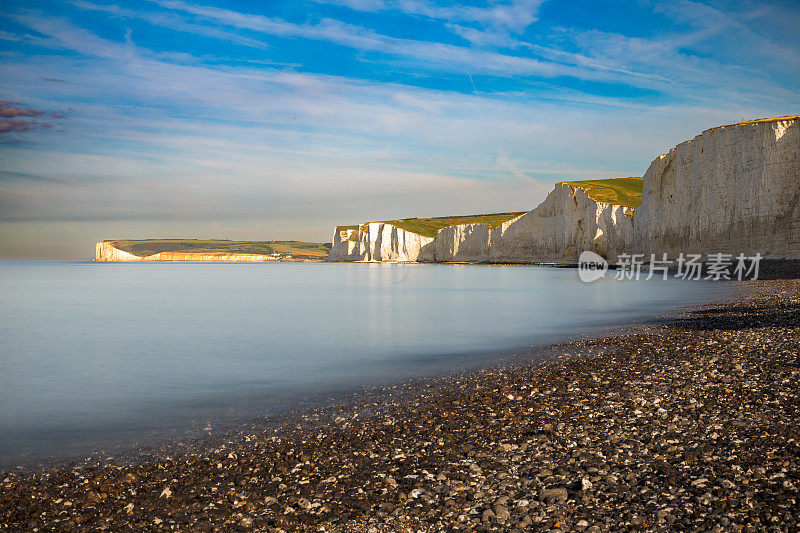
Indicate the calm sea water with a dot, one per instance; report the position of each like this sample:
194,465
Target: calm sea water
96,354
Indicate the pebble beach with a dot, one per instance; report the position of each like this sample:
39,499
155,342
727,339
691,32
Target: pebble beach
691,425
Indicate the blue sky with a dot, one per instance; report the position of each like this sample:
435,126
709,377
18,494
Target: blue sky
280,119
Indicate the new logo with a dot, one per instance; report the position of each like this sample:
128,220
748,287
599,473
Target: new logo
591,266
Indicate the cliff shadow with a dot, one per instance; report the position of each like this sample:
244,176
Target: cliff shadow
427,252
524,240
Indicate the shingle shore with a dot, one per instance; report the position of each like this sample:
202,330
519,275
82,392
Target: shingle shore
691,426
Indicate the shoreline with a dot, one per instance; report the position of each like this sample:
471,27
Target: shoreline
523,445
149,442
165,442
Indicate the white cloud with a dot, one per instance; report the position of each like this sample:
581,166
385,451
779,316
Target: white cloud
514,16
430,56
171,21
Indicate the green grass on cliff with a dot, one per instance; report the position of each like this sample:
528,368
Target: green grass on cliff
759,121
620,191
354,236
297,249
428,227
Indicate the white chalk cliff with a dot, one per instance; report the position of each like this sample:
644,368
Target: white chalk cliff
379,241
732,189
106,251
566,223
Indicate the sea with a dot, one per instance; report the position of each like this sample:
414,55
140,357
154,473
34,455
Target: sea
108,357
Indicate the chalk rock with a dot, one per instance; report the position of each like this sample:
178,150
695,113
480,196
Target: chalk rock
732,189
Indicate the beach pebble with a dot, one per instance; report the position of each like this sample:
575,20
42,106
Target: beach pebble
553,496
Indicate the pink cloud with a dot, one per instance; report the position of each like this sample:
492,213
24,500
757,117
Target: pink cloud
8,109
13,125
11,114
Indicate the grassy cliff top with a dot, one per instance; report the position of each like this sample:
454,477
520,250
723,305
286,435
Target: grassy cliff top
427,227
344,228
620,191
353,236
297,249
758,121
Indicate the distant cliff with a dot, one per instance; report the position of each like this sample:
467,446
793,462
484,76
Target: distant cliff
732,189
210,251
106,251
567,222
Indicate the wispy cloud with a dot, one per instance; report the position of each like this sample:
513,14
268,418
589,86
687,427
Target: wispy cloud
497,25
6,175
61,34
422,54
513,16
12,125
171,21
16,119
10,109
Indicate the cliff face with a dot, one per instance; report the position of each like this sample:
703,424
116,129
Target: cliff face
464,242
566,223
230,258
379,241
105,251
344,245
733,189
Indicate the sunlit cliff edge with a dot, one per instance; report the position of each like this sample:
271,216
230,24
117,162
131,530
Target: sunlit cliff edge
155,250
731,189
